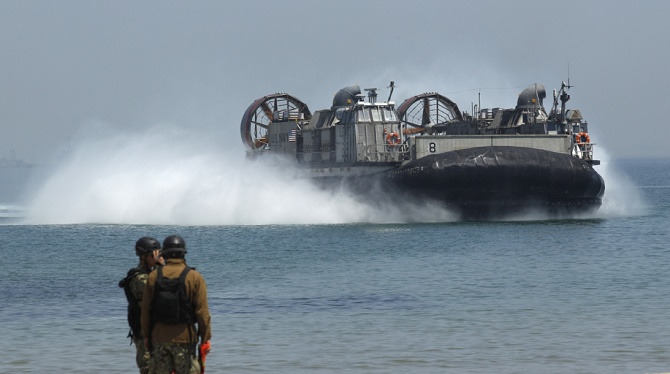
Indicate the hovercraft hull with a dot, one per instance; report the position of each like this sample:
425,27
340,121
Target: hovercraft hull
490,182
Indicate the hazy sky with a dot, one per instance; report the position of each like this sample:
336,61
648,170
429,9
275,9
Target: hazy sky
134,65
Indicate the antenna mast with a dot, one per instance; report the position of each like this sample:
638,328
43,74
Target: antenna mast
391,86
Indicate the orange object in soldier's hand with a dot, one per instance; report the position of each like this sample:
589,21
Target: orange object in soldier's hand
204,350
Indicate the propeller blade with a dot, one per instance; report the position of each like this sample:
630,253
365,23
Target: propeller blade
425,118
267,110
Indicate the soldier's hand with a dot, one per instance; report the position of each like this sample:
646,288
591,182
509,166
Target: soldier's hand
158,257
206,347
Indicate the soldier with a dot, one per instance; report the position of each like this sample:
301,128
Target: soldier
148,250
174,302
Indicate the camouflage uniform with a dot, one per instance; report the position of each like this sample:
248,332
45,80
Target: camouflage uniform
175,357
143,356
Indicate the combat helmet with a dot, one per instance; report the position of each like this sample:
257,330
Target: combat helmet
174,246
146,245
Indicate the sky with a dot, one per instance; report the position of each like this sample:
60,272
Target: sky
137,67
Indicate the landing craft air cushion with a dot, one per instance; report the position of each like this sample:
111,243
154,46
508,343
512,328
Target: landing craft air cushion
486,165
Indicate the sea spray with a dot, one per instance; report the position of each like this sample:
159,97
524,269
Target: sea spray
168,175
622,197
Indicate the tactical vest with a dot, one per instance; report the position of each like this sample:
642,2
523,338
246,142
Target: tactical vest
134,311
170,305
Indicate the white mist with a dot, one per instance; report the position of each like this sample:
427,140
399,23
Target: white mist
167,175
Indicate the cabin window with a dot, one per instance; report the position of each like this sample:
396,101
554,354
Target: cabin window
363,116
389,115
376,115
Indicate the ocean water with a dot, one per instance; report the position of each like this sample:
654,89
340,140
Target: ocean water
357,293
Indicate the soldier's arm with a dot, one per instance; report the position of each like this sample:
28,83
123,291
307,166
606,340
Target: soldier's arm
202,311
137,286
147,295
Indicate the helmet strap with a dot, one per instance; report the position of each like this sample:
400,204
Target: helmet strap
144,261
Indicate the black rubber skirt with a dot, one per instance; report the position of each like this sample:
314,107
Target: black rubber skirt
489,182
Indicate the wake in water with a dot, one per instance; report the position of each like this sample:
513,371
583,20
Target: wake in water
168,175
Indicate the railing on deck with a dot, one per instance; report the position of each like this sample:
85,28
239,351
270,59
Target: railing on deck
386,152
583,151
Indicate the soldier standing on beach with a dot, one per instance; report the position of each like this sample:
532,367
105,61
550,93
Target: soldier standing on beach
174,302
148,250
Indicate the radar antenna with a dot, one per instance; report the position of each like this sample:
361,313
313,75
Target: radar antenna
563,96
372,95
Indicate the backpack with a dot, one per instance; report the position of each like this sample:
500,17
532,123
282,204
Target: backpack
170,305
134,312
